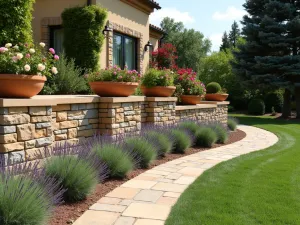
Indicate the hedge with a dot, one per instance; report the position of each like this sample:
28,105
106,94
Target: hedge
16,17
83,36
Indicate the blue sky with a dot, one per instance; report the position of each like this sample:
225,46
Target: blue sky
211,17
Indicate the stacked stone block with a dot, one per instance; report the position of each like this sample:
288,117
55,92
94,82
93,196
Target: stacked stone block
119,118
159,111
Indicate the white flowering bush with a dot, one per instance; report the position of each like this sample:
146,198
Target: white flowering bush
27,59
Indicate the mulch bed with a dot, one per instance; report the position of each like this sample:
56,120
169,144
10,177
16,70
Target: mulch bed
68,213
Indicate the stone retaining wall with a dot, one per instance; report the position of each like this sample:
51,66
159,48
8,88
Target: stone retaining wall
204,113
27,126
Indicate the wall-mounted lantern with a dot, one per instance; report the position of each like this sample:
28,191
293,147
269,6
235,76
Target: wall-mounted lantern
148,45
106,30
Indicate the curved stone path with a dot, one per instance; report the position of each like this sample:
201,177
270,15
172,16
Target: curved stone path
148,198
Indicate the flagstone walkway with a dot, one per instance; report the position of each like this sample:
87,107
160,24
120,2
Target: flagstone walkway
148,198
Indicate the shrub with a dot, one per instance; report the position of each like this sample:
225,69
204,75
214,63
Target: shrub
16,17
222,133
274,99
155,77
26,199
182,141
117,160
78,176
115,74
69,79
232,124
206,137
162,142
191,126
256,107
83,28
213,88
165,57
144,152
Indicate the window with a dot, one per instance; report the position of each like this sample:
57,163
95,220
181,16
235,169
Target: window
125,51
56,38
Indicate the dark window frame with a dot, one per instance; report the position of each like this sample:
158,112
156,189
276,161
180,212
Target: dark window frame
123,37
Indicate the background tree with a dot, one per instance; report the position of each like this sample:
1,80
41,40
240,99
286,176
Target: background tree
234,34
225,42
270,57
190,44
15,25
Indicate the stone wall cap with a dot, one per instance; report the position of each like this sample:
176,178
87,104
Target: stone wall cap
122,99
200,106
215,102
48,100
161,99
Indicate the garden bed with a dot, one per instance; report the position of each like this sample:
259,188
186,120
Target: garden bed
68,213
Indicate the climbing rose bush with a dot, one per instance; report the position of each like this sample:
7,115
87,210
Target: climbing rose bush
28,59
115,74
165,57
187,83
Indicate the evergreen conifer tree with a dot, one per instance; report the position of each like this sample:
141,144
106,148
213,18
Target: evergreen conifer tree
271,56
225,42
234,34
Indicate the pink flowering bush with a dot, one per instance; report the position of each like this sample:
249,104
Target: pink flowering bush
187,83
115,74
27,59
155,77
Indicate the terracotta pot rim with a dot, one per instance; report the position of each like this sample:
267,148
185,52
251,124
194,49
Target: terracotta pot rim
22,77
192,96
171,87
114,82
218,94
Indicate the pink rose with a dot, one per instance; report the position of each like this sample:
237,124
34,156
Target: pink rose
52,51
3,49
14,59
27,56
56,57
115,73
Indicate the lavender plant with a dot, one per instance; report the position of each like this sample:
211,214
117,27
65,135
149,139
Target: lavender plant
182,140
27,196
76,170
161,142
143,151
232,124
206,137
222,134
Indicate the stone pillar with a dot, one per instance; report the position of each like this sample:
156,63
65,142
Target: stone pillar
120,116
159,111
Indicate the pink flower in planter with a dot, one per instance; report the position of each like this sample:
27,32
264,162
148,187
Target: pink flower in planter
56,57
3,49
120,77
115,73
27,56
52,51
15,59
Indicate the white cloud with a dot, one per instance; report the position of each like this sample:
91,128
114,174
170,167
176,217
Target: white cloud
231,13
216,40
157,16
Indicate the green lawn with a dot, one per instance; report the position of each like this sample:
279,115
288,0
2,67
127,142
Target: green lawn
259,188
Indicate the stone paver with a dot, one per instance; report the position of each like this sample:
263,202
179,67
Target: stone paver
147,211
147,199
148,195
91,217
122,192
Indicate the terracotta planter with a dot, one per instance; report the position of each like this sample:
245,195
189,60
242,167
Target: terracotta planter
20,86
158,91
191,99
216,97
113,89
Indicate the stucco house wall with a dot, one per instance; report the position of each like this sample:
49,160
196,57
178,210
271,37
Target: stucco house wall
122,17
